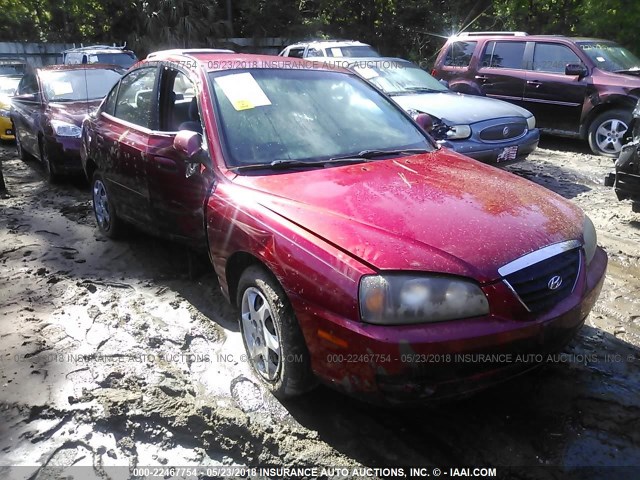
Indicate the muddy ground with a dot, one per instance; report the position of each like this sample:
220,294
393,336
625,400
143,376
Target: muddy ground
111,355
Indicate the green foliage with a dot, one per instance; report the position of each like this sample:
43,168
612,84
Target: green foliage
410,28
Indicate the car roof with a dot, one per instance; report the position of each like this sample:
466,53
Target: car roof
330,43
81,66
212,62
521,37
98,49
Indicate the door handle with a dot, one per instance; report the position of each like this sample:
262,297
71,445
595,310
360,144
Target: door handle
482,78
166,164
535,83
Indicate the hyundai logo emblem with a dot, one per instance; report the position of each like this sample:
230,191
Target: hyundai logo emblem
505,132
554,282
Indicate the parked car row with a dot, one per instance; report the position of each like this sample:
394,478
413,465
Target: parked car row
357,250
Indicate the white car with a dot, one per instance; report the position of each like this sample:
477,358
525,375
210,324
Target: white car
329,48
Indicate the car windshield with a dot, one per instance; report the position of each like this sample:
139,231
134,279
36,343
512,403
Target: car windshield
267,115
123,59
610,56
77,85
397,78
8,86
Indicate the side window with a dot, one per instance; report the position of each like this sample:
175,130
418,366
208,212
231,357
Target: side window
135,103
28,85
296,52
178,104
503,54
109,104
550,57
459,54
314,52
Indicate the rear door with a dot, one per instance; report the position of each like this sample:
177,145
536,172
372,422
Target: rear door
501,72
178,187
554,98
123,130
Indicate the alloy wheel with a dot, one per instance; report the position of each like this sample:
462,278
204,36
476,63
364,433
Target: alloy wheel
609,135
260,334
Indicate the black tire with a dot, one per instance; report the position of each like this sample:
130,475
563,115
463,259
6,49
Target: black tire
105,212
607,132
22,153
293,375
49,168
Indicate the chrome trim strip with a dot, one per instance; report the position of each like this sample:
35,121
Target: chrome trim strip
552,102
537,256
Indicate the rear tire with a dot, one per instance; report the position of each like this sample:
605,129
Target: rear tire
607,131
272,338
105,212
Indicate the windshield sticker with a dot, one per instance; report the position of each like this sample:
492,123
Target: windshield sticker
600,59
61,88
366,72
243,91
336,51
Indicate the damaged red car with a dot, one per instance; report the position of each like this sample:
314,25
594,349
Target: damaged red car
357,252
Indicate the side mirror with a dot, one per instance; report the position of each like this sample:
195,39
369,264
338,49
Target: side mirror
425,121
188,142
27,97
575,69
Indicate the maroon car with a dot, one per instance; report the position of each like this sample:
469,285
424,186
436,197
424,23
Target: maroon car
357,251
48,109
577,87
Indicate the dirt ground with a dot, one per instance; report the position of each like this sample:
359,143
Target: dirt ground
111,355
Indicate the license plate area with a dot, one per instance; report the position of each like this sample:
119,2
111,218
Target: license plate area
508,154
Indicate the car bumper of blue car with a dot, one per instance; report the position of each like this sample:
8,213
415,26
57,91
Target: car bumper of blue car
497,153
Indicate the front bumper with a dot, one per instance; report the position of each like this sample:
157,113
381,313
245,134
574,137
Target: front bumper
427,362
496,153
64,153
6,129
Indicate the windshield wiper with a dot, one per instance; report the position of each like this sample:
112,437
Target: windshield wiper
287,164
359,157
370,154
425,89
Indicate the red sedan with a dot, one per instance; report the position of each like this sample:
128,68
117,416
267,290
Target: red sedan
357,251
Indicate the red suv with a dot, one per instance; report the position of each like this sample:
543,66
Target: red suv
578,87
354,248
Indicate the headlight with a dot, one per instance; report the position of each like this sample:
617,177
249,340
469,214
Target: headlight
65,129
397,299
458,132
590,239
531,122
4,113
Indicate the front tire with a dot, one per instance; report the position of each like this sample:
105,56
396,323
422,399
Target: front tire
607,131
272,338
49,168
108,221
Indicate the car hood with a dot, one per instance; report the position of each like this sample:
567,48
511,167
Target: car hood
438,212
72,111
457,108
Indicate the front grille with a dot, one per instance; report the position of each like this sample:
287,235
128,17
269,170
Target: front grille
504,131
533,284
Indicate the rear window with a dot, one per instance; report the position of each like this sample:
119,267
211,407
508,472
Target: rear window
503,54
459,54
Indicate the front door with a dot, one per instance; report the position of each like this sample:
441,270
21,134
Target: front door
125,127
178,188
28,108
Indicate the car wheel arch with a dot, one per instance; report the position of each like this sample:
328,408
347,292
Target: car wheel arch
610,103
236,264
